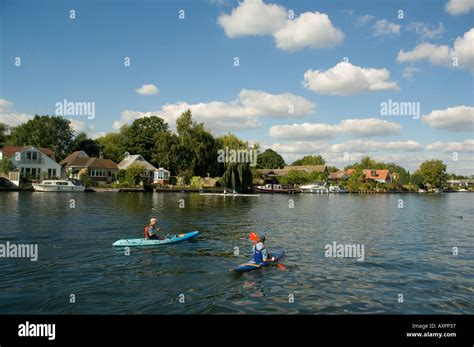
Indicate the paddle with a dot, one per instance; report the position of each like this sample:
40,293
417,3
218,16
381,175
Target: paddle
255,238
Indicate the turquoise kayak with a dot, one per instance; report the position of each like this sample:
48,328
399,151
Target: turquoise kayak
148,242
251,265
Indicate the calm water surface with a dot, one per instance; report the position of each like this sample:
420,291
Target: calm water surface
407,251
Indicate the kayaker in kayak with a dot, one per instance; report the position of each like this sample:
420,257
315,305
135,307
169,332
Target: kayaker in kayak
152,232
260,251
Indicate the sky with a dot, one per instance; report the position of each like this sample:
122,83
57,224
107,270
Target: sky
300,77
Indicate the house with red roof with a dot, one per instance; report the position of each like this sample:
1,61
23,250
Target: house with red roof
32,162
381,176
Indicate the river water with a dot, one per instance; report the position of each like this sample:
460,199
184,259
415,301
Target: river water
408,265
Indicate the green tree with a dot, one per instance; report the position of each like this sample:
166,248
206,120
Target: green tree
139,137
6,165
197,148
416,179
112,146
310,160
433,172
238,177
270,160
45,131
294,177
83,143
357,180
133,174
166,151
196,182
3,134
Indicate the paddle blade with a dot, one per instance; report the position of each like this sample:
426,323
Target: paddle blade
281,266
253,237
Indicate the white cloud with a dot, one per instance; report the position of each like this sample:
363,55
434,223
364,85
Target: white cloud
310,29
11,117
357,146
363,20
383,28
242,113
462,52
348,79
466,146
409,71
457,119
355,127
426,31
147,89
79,126
372,146
457,7
253,17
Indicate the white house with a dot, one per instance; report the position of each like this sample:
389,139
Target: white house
32,162
129,160
161,176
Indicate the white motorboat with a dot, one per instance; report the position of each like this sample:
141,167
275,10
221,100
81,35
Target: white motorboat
315,188
421,190
71,185
337,189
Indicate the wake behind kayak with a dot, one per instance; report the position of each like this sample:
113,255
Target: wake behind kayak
150,242
251,265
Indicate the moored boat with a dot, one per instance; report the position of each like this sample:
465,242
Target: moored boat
337,189
275,189
70,185
315,188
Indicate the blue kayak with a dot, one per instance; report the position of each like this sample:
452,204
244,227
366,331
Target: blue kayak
251,265
148,242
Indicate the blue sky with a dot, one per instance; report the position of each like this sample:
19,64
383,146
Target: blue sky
190,61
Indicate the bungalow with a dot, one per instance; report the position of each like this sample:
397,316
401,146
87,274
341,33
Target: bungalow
340,175
99,170
381,176
129,160
32,162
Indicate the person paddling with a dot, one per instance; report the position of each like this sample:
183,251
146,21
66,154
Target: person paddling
152,232
260,251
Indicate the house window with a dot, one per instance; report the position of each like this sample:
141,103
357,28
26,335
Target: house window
374,173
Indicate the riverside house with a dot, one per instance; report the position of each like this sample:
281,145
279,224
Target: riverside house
32,162
381,176
151,174
136,159
99,170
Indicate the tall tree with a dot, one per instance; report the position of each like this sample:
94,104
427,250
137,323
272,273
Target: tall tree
310,160
433,172
3,134
45,131
111,146
197,147
166,151
139,137
270,160
82,142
